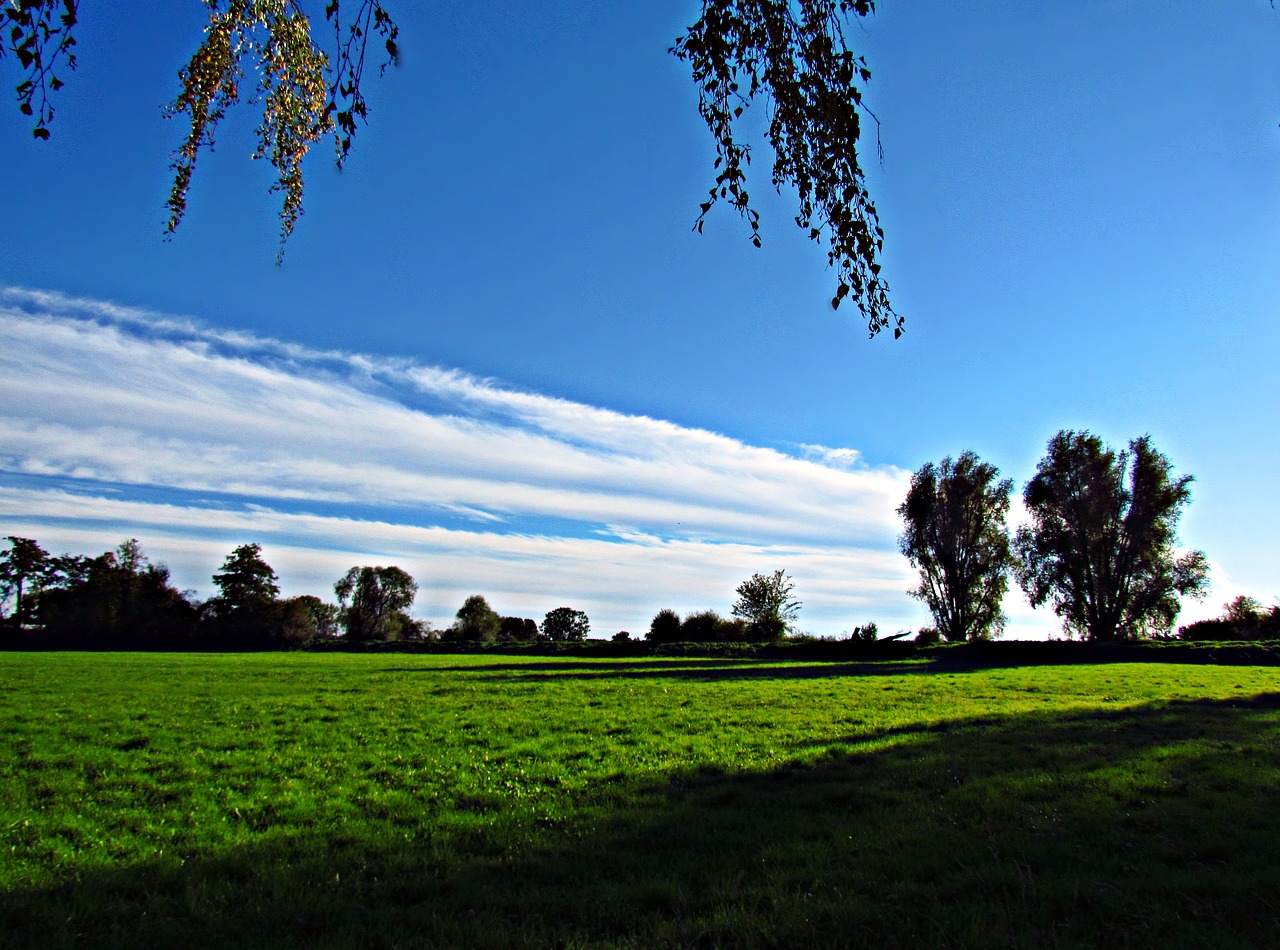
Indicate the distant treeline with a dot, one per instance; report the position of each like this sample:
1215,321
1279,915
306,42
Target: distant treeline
122,600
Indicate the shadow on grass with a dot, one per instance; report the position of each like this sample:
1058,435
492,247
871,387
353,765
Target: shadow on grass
1156,825
666,669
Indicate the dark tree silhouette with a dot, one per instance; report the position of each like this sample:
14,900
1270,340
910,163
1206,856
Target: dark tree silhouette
664,628
955,535
246,581
565,623
119,599
24,569
1102,539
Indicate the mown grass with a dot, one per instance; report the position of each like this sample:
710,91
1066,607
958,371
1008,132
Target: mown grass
320,800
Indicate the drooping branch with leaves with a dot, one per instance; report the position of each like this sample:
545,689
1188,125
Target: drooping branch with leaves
304,95
306,92
792,54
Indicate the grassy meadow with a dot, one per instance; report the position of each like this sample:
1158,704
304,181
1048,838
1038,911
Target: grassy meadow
401,800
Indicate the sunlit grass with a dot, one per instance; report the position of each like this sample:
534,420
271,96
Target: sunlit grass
382,800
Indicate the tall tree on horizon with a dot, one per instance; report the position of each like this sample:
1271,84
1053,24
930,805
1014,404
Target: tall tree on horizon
955,535
1102,541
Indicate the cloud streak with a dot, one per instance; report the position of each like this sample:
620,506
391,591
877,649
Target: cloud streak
120,422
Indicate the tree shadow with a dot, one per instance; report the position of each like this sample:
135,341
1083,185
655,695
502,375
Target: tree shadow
704,670
1154,825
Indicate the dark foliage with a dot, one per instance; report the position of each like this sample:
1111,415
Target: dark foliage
1242,619
518,630
1101,545
24,569
475,620
565,623
117,600
792,54
955,535
664,628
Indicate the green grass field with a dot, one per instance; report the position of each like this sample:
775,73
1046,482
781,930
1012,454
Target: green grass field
398,800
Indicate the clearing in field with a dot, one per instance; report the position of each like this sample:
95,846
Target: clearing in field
221,800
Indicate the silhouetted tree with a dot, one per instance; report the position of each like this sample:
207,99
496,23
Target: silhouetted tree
1101,543
118,599
707,626
955,535
24,570
476,620
765,603
518,629
664,628
565,623
374,602
1244,618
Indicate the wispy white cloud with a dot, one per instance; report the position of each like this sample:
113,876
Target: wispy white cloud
117,422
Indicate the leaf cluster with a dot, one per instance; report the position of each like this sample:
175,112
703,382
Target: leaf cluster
304,96
39,34
793,55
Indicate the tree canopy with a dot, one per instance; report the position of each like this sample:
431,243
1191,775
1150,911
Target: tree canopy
954,534
766,605
374,602
1102,540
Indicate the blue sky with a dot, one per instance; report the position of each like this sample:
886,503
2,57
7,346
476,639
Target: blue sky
497,355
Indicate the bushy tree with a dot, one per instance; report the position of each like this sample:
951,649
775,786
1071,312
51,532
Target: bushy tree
765,603
955,536
707,626
374,602
1243,618
1101,545
518,629
24,570
119,599
565,623
476,620
664,628
246,582
306,618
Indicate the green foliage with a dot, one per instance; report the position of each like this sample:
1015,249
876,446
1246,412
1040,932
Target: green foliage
1101,543
272,800
765,604
565,623
476,620
954,534
379,598
792,54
